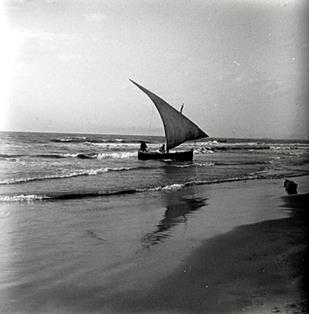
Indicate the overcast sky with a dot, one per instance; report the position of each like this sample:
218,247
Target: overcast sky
239,66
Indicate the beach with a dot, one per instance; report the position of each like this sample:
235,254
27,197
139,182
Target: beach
252,262
254,268
86,227
145,148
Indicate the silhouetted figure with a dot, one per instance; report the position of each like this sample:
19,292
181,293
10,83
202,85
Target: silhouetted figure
290,186
143,147
162,149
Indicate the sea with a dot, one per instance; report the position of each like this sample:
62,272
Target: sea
76,210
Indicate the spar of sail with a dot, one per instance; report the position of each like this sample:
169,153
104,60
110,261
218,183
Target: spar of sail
178,128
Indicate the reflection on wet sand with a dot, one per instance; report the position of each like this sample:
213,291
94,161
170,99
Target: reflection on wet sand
178,208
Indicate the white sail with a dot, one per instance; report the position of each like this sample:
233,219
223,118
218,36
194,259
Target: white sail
177,127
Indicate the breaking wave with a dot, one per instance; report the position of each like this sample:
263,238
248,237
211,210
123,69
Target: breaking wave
84,139
214,148
22,198
91,172
75,173
164,188
115,155
64,196
195,164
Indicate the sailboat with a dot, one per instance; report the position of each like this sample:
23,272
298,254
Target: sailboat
178,129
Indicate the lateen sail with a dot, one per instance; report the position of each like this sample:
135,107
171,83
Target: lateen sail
178,128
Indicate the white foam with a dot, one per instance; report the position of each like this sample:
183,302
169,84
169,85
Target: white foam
196,164
71,139
175,186
117,155
69,155
22,198
75,173
203,150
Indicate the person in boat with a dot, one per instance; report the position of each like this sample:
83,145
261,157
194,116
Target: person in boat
143,147
162,149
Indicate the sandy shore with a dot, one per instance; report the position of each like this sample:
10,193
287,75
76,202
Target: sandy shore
255,268
235,247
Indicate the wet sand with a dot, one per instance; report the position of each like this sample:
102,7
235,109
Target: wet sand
236,247
255,268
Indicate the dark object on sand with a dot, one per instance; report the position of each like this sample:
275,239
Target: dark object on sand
290,186
178,129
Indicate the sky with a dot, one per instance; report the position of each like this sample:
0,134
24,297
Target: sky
239,66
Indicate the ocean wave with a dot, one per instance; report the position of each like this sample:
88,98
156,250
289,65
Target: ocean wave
84,139
203,150
243,163
228,147
164,188
195,164
289,146
75,139
75,173
61,196
115,155
23,198
169,187
252,176
9,156
55,155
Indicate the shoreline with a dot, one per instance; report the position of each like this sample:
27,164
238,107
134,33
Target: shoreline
224,248
254,268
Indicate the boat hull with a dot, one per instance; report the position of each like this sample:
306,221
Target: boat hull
180,156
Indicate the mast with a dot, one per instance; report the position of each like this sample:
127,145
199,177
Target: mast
181,108
178,128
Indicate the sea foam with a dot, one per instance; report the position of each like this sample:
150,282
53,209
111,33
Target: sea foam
22,198
163,188
74,173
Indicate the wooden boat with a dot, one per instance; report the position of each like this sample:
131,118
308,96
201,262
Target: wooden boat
178,129
181,156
